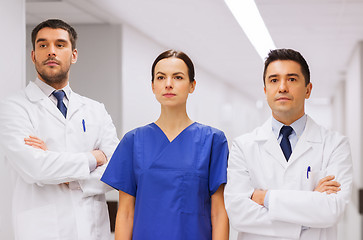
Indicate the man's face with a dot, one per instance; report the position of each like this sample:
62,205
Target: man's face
286,91
53,56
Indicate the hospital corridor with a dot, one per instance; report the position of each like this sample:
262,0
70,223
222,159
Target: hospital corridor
228,42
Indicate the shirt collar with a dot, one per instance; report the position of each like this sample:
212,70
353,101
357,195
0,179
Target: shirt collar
48,90
298,126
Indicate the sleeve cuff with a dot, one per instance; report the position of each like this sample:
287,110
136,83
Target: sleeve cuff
267,199
92,162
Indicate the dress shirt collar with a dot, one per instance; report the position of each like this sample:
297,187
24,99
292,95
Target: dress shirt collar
298,126
48,90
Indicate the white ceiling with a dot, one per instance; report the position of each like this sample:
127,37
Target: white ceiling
324,31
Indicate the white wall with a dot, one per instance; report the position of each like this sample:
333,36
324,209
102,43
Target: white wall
139,106
338,102
12,61
12,71
321,113
353,127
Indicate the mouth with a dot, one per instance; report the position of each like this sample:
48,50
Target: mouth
51,63
283,98
169,95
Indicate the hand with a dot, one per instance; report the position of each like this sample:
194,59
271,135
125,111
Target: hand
327,185
258,196
35,143
100,157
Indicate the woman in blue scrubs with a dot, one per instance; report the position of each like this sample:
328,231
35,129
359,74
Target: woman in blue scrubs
171,173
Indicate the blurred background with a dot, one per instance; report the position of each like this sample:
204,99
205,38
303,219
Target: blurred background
119,39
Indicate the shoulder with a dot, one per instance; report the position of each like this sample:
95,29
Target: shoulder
130,135
260,132
208,133
15,97
16,100
326,135
90,106
207,129
86,100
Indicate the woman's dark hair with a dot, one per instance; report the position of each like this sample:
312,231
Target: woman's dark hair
176,54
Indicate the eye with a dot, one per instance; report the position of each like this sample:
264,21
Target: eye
160,77
179,77
42,45
273,80
60,45
292,79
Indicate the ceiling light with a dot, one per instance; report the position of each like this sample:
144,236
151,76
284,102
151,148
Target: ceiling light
249,18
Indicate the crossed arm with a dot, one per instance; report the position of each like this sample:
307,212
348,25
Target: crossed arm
36,165
287,208
326,184
36,142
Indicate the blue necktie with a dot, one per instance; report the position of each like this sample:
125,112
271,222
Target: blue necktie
59,95
285,142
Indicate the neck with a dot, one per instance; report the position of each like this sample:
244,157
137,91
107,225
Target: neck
173,118
56,85
287,119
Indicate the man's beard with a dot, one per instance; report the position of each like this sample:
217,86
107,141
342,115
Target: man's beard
59,77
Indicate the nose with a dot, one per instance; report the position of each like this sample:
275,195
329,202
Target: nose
169,83
283,86
51,52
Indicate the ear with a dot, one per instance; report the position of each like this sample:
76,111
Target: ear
192,86
33,56
264,89
152,87
309,87
74,56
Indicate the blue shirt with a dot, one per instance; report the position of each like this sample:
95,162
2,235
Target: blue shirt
172,181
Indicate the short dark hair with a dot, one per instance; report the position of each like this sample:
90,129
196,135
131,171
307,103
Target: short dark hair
177,54
288,54
55,23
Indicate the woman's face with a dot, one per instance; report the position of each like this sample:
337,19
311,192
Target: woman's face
171,84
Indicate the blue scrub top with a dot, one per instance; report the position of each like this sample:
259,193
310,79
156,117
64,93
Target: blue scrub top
172,181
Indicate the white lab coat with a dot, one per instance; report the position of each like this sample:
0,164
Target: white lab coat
44,208
256,161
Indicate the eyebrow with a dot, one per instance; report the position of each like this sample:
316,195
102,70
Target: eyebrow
293,75
41,40
44,40
173,73
289,75
178,73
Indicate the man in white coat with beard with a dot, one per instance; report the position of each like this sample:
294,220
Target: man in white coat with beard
56,144
289,178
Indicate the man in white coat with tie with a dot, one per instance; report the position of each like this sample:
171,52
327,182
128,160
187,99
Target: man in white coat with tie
289,178
56,144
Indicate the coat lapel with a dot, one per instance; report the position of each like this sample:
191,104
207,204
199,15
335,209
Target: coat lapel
75,103
36,95
269,143
310,136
